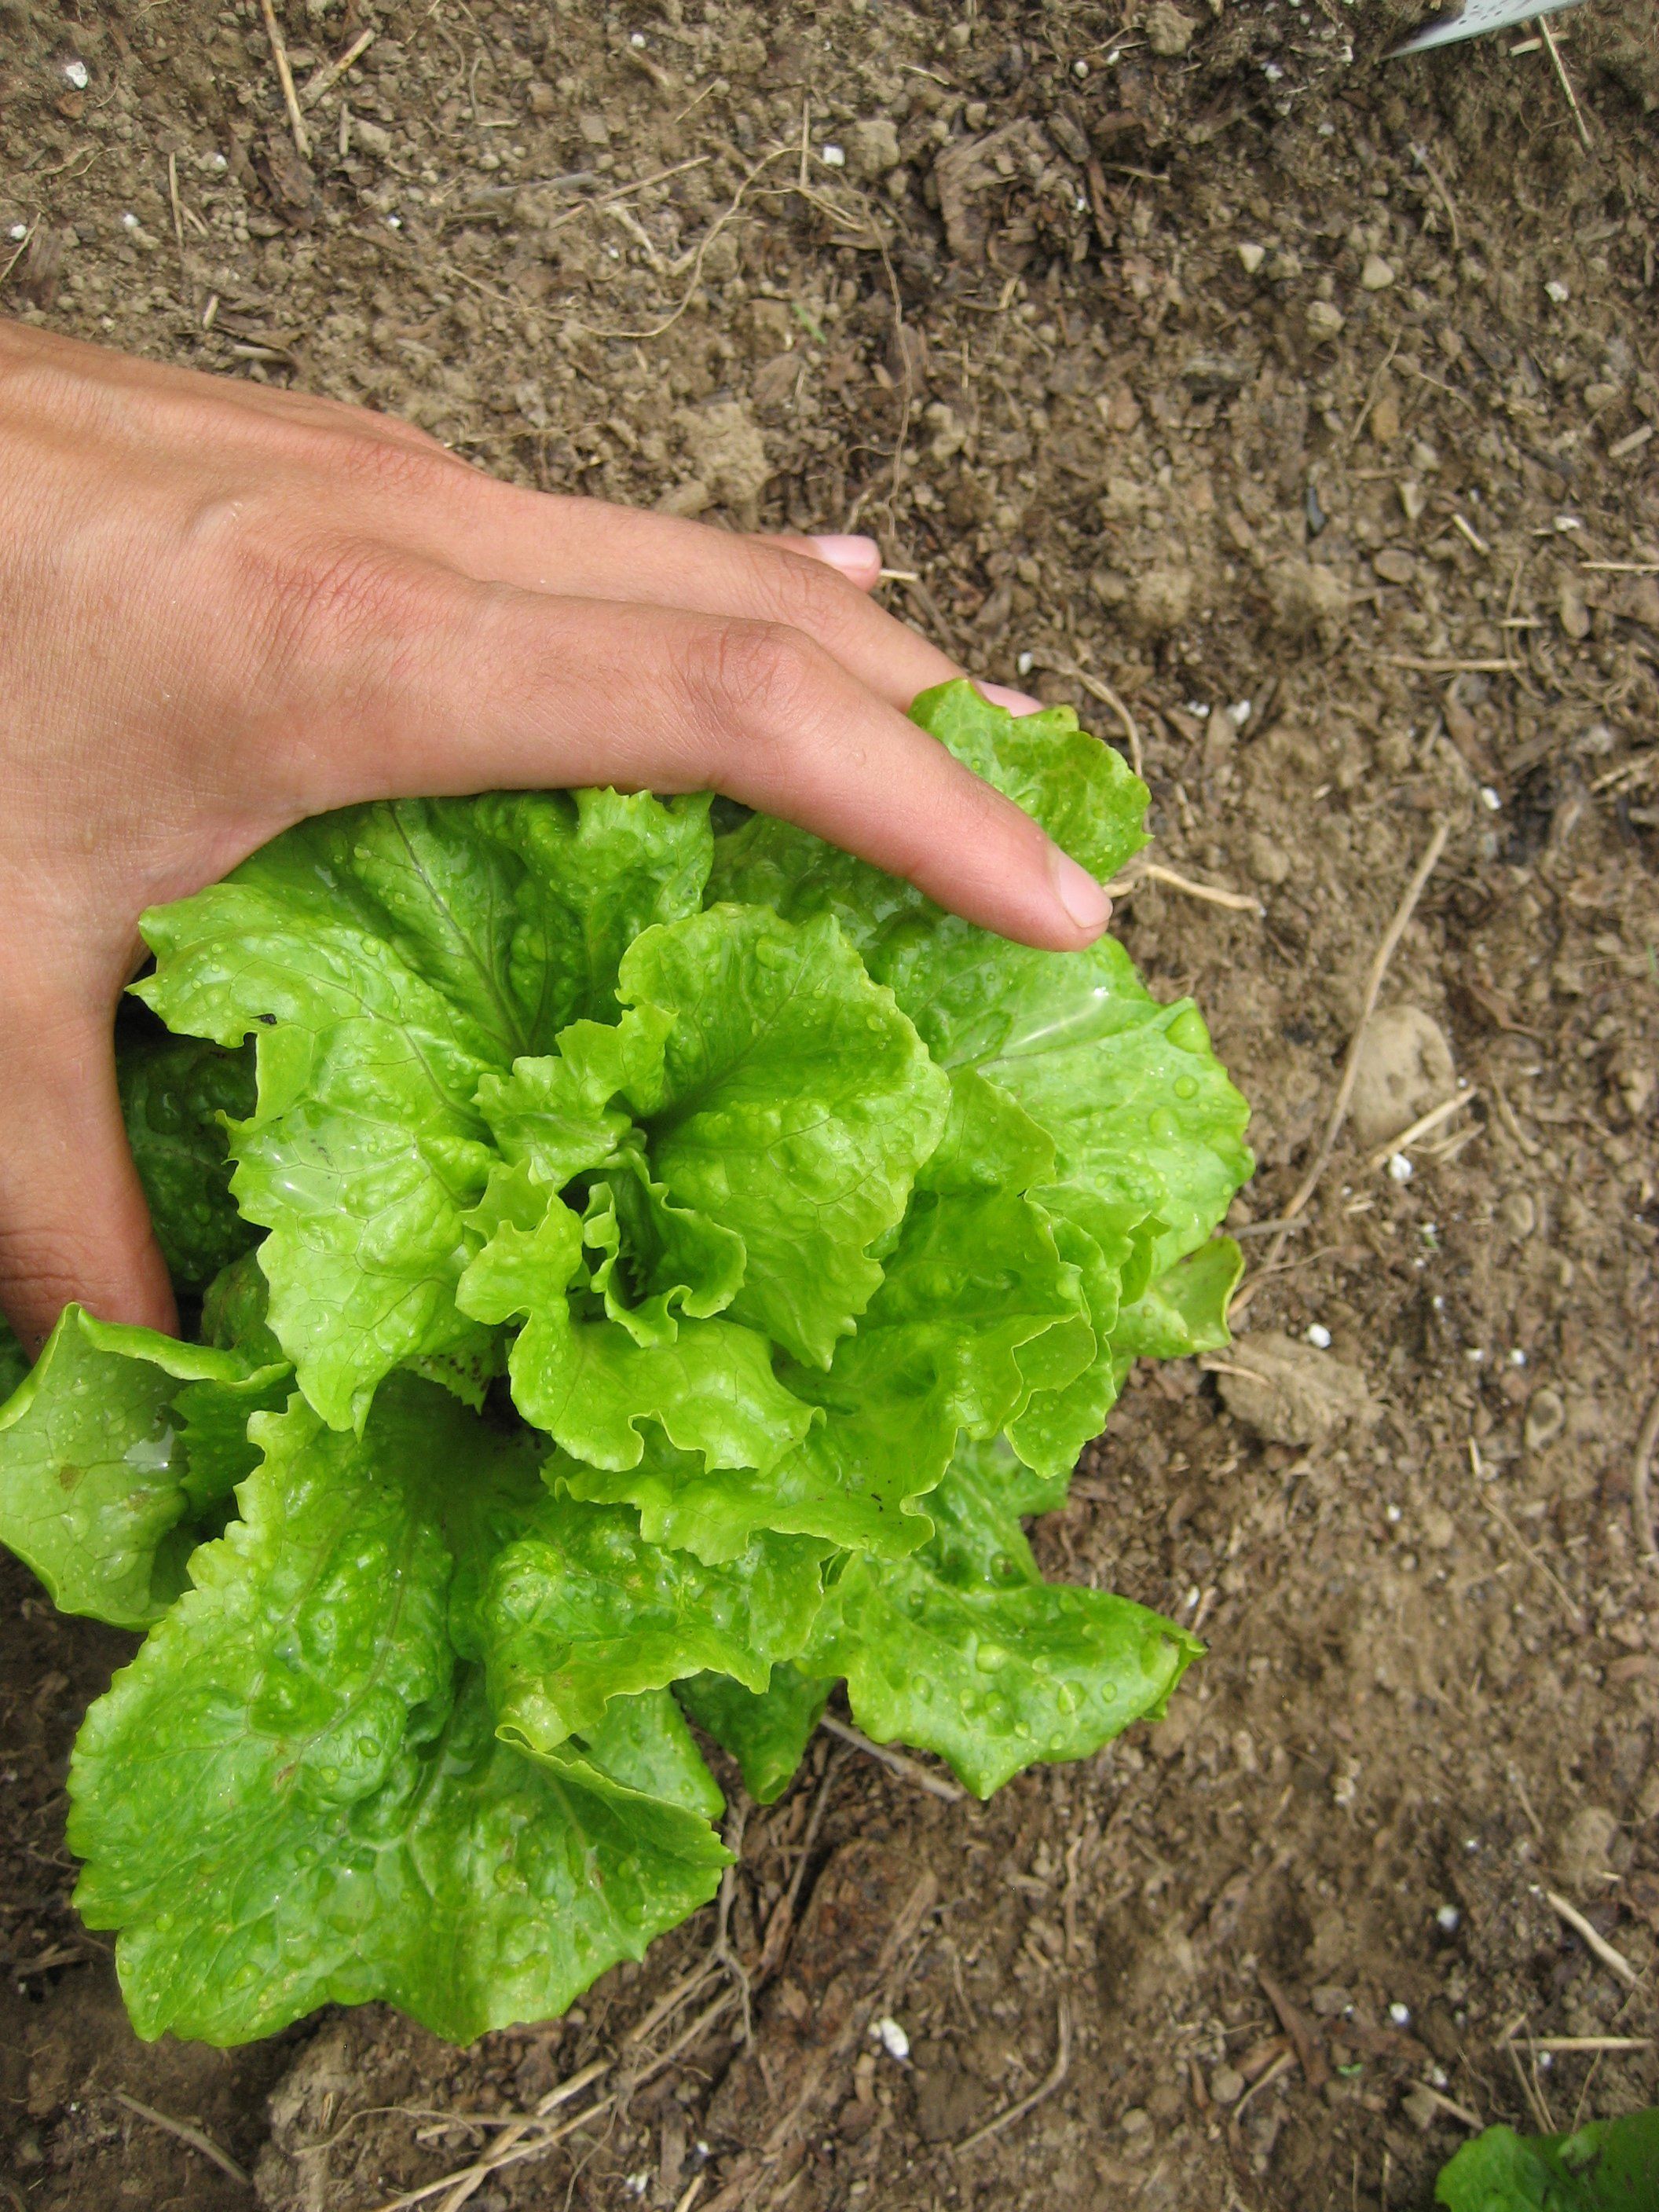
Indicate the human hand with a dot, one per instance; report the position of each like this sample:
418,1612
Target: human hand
230,607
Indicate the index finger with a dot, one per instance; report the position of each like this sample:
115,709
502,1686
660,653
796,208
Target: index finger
454,687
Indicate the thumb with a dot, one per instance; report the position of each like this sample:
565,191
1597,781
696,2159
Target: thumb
73,1221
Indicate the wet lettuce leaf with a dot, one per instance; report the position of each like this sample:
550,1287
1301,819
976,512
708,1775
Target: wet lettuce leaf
298,1793
111,1449
176,1095
765,1731
965,1650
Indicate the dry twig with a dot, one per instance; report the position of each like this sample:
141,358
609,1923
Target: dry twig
1045,2088
1533,1558
1565,83
1596,1944
727,215
1282,2065
781,1926
186,2133
1450,2107
937,1785
1558,2043
285,78
1152,872
1385,952
1316,2067
322,81
1422,1125
1641,1500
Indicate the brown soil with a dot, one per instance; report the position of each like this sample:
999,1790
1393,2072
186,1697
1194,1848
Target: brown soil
1091,326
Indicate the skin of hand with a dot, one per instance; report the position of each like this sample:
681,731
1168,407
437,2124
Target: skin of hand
230,607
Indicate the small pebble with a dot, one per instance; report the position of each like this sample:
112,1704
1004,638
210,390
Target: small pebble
1324,321
19,230
1490,799
1419,2109
1517,1212
1547,1416
891,2037
1399,1169
1226,2086
78,75
833,157
1376,275
1025,663
1135,2121
1448,1919
1240,711
1319,1335
1557,292
1401,2015
1251,258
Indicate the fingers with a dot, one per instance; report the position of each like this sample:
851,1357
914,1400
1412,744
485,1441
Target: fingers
591,550
568,692
73,1221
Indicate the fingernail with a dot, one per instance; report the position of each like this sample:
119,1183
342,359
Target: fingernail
1016,702
857,557
1078,893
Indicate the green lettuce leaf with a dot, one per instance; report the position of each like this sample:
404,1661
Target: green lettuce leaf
964,1650
765,1731
972,1280
111,1448
177,1094
711,1396
296,1793
1185,1310
794,1105
389,959
581,1609
1139,1109
1068,1404
1610,2166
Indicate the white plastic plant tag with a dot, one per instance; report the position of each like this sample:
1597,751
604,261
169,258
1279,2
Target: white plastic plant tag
1475,17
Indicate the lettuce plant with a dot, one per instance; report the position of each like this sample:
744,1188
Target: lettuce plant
649,1269
1607,2166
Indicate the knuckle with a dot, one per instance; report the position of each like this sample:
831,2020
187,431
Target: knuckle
752,682
805,594
333,599
393,458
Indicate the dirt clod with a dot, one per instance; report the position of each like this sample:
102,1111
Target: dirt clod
1404,1067
1168,32
1292,1393
1584,1851
1307,599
